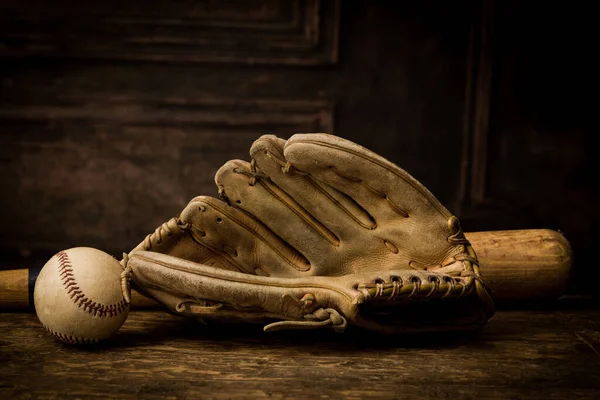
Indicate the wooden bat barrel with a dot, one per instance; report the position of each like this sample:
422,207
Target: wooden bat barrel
523,265
518,265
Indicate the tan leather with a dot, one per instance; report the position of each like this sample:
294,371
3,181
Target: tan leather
316,231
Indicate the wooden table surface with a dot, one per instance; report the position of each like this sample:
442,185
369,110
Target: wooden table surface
520,355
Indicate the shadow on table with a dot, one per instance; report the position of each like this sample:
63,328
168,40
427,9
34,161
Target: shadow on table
183,330
161,328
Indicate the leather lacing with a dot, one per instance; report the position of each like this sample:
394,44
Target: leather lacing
156,237
253,173
320,318
163,231
286,166
458,238
396,288
448,261
126,278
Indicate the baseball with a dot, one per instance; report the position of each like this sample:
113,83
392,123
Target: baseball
78,296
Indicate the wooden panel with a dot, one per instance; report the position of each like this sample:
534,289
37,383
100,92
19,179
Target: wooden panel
280,32
105,171
478,96
99,151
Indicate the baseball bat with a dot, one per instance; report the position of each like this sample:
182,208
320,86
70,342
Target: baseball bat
517,265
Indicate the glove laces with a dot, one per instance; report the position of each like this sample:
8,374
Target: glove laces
163,231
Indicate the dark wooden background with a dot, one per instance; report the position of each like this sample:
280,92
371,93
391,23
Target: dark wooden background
114,114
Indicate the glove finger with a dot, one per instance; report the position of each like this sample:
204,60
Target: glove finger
332,208
277,210
172,239
385,190
240,239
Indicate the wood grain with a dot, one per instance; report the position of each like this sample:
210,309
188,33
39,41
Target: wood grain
14,289
528,264
520,355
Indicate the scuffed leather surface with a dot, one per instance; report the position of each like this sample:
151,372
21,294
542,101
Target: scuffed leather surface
321,216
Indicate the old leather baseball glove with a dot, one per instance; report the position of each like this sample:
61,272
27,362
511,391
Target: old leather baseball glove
316,231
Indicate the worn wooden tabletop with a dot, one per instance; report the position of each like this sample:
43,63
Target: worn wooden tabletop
520,355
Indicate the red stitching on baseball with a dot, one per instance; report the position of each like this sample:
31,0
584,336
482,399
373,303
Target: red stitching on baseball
80,299
73,289
77,296
72,339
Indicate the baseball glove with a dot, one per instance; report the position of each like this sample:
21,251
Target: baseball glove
316,231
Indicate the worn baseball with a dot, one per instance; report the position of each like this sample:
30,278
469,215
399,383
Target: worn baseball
78,296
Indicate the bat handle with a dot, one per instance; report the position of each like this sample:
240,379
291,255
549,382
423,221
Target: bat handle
523,265
16,291
16,288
